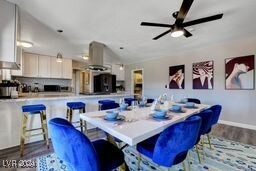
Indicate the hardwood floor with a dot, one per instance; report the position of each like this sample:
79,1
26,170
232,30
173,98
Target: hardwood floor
34,150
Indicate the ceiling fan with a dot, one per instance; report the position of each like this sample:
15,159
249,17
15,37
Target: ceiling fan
178,28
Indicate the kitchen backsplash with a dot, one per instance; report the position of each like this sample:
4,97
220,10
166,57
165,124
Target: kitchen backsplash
43,81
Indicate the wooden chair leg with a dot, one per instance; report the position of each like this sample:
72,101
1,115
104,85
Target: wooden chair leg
23,133
45,128
209,141
70,115
198,155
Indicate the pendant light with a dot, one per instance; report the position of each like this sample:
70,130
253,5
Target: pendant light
121,67
59,57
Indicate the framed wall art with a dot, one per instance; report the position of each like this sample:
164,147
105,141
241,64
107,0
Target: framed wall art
202,75
176,77
240,73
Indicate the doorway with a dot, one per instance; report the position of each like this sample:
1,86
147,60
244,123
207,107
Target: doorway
137,86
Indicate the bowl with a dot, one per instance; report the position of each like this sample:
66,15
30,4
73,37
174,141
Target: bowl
123,106
190,104
176,107
160,113
142,103
112,114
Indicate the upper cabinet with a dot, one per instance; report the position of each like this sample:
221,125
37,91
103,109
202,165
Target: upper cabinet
44,67
119,73
56,68
67,69
30,65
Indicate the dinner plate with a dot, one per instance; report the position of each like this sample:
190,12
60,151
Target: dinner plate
160,117
118,118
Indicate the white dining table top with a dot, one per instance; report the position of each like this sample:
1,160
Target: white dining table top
138,124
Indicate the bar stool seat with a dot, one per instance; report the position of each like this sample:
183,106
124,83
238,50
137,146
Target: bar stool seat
76,105
106,101
71,106
32,110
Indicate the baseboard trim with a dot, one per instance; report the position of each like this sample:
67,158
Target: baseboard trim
241,125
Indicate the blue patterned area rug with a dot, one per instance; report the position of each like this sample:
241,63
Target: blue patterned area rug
225,156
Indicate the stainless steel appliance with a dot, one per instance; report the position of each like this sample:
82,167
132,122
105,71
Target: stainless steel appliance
6,89
53,88
105,83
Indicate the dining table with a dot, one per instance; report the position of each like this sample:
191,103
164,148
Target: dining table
137,124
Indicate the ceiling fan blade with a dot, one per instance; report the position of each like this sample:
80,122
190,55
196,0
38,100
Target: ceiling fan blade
187,33
154,24
202,20
186,4
161,35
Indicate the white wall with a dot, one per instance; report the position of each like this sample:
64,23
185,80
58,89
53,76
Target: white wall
239,106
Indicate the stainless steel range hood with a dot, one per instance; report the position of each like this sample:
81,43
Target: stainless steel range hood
10,32
96,52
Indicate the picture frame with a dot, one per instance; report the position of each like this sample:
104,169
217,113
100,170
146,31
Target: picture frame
177,77
240,73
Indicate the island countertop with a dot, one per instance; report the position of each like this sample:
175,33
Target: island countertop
61,96
56,106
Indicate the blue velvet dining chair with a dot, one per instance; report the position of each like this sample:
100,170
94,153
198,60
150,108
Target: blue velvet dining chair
197,101
216,109
170,147
206,116
78,152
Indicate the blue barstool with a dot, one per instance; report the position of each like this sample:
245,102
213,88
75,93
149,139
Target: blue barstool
71,106
31,110
104,102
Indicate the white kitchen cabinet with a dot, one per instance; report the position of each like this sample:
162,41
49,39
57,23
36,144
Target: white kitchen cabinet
30,65
119,73
56,68
67,68
44,66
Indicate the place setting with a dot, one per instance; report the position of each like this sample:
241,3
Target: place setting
113,115
177,109
190,105
160,115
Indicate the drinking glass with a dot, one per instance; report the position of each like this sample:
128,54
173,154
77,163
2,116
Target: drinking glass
134,104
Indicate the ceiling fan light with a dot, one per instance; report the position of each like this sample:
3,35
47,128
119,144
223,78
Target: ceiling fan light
177,33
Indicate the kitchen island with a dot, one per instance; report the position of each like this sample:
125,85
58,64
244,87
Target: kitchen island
11,113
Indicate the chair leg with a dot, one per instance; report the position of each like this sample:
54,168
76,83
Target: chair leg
45,129
209,141
67,115
198,155
139,161
42,124
188,159
202,141
23,133
184,166
123,167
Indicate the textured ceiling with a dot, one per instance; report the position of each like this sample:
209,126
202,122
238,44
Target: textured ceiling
117,23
